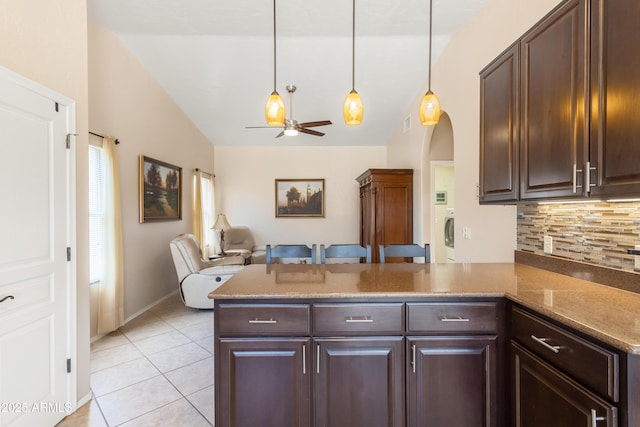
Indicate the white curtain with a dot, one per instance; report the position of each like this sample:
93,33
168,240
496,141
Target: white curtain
203,211
111,292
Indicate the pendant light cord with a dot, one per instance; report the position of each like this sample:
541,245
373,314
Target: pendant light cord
353,47
274,45
430,38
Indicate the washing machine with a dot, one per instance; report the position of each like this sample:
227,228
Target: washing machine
449,234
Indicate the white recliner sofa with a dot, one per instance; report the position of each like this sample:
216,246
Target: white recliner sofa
239,240
198,277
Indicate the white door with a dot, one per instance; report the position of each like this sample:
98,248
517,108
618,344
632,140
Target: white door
35,277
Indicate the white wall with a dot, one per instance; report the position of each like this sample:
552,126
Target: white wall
245,185
126,102
455,80
46,41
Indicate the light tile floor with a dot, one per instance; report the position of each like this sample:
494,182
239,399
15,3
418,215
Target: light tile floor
157,370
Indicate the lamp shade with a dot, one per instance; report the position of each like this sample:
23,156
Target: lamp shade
353,109
274,110
429,109
221,223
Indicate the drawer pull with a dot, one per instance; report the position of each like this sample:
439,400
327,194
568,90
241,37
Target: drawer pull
358,319
263,321
543,341
595,418
6,298
453,319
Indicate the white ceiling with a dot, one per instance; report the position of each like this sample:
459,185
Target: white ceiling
215,59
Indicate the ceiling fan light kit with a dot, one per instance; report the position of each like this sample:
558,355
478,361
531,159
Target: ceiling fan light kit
430,105
353,109
274,110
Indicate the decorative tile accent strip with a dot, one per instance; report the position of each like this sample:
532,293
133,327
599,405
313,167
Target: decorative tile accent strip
598,233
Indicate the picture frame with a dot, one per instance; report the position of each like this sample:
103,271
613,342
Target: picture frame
160,191
441,198
297,198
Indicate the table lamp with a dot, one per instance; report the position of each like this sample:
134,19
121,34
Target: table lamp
221,224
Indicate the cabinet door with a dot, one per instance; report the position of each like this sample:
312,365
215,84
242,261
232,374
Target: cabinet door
452,381
545,397
359,382
615,95
499,128
394,216
553,79
263,382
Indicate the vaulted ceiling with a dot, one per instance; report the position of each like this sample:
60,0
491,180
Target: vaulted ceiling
215,59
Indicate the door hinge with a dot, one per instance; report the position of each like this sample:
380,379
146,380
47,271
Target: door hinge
68,366
57,107
68,253
69,135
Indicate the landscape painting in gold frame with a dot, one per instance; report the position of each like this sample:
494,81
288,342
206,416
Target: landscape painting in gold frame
160,191
300,198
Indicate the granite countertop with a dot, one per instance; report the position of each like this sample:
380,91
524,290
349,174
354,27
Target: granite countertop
605,313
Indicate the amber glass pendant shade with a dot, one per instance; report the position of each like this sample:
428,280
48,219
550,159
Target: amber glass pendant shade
274,111
353,109
430,109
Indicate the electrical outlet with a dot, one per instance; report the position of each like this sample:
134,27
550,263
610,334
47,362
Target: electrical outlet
636,260
548,244
466,233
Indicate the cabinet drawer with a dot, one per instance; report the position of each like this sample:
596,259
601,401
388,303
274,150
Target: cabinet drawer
471,317
590,364
263,319
356,319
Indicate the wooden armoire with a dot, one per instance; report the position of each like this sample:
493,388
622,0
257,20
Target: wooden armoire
386,208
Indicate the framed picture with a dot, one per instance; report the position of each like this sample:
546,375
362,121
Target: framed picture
441,197
299,198
160,191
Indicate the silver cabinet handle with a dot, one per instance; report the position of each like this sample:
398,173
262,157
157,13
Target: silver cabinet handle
318,359
595,418
413,358
358,319
453,319
543,341
7,297
263,321
304,359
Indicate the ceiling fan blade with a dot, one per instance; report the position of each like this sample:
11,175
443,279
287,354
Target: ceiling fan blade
310,132
313,124
280,134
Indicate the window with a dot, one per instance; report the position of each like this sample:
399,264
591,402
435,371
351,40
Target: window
206,183
96,213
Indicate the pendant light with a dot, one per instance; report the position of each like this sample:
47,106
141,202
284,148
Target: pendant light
430,105
353,109
274,110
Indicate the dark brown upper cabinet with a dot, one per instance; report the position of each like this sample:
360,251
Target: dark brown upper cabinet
553,84
577,101
615,98
499,128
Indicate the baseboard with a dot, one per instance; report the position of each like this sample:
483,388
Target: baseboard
81,402
150,306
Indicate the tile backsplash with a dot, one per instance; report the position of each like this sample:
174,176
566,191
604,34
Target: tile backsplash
598,233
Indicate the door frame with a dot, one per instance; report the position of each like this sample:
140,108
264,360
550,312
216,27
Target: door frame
433,164
69,107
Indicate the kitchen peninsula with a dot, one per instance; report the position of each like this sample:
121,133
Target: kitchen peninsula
424,344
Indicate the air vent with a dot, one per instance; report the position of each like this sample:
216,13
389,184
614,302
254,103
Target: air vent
407,123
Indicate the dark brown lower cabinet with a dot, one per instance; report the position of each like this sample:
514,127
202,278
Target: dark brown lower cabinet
452,381
359,382
543,396
264,382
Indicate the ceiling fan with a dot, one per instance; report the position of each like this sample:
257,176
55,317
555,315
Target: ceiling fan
292,127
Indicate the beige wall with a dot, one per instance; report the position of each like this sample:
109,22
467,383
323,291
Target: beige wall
126,102
455,81
46,41
245,184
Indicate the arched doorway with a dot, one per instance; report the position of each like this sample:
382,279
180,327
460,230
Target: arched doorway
440,186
